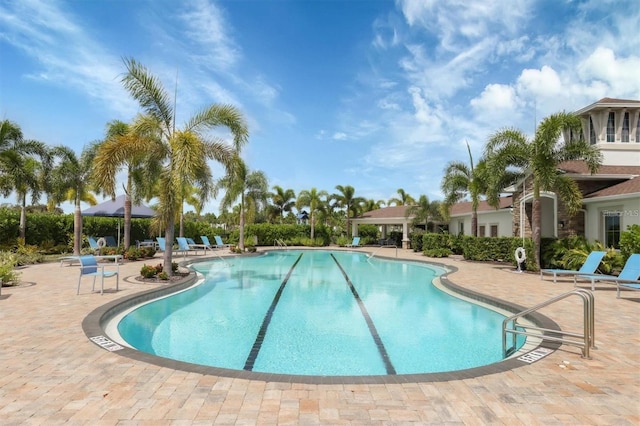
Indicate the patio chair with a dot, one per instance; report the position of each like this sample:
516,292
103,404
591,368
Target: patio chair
89,266
629,276
354,243
205,242
111,241
93,243
195,246
219,243
588,267
161,243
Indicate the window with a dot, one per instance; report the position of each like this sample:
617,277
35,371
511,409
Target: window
592,133
611,228
625,127
611,127
494,231
481,231
461,228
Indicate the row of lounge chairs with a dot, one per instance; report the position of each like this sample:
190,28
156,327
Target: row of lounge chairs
628,278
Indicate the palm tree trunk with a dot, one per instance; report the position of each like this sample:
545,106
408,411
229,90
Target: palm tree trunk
474,223
127,220
535,226
181,221
241,236
77,228
168,252
313,222
23,218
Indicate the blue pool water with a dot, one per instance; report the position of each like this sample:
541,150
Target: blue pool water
317,313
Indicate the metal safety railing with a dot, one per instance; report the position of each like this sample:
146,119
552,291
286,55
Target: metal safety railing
280,243
511,327
369,256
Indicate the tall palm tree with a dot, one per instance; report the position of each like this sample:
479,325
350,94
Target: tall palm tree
346,199
283,200
183,152
404,200
71,181
250,187
125,146
539,159
20,171
460,180
313,199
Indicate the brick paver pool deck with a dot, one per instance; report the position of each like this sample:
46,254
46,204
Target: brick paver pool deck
51,373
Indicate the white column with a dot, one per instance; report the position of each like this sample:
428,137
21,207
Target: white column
405,235
354,229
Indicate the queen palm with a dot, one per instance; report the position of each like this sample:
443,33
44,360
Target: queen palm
460,180
126,146
283,200
250,187
347,200
423,211
538,159
371,204
312,199
183,153
20,171
71,181
404,200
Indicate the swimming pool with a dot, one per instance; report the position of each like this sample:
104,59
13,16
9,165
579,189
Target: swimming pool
317,312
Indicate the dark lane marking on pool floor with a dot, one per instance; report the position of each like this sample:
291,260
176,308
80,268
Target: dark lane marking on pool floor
255,349
372,328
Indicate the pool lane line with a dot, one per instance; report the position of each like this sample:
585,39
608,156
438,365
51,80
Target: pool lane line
255,349
372,328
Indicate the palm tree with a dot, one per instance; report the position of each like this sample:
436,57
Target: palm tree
461,179
539,159
20,171
184,152
71,181
346,199
404,200
423,211
371,204
312,199
283,200
250,187
124,146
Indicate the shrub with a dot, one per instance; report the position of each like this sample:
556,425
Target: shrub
163,276
438,252
148,271
132,253
630,241
8,275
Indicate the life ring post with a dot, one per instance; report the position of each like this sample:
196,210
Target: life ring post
521,256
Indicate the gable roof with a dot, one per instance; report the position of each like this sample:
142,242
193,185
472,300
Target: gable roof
580,168
608,103
386,213
628,187
465,207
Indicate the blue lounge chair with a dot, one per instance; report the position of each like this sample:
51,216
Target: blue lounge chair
161,243
111,241
93,243
588,267
89,266
354,243
219,243
629,277
195,246
205,241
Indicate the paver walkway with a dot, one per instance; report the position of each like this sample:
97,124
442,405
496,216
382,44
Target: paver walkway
50,373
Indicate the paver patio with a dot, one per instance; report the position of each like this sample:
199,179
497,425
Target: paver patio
50,373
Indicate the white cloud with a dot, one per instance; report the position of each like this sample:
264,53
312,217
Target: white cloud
339,136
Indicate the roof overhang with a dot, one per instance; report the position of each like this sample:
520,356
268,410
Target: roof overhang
611,198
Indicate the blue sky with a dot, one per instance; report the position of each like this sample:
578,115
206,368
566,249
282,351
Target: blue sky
378,95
